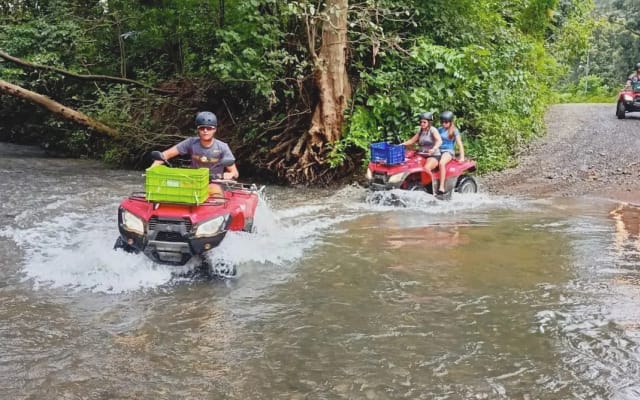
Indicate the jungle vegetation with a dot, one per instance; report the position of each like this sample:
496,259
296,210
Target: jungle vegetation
301,88
601,66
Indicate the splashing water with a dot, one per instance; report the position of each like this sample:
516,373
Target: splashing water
74,250
429,204
281,236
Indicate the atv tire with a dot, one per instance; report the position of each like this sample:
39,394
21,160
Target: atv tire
466,184
416,187
121,244
620,110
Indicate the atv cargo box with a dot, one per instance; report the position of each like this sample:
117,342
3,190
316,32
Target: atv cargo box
387,153
177,185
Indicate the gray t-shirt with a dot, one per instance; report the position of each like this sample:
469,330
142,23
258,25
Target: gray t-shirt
215,157
427,140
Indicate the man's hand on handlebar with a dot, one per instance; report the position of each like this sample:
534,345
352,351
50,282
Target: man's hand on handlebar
228,176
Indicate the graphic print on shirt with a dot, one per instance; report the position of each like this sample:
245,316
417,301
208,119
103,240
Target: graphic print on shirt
203,160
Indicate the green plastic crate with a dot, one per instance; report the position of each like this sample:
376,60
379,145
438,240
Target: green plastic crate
177,185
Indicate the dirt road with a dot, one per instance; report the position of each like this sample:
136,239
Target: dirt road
587,151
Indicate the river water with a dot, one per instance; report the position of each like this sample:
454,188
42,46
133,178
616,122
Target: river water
482,297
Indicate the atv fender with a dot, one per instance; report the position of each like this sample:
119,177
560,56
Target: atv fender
237,219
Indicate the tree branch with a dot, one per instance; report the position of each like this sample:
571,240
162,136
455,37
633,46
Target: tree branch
620,22
104,78
56,108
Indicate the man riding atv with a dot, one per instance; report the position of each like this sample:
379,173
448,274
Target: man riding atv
206,152
634,77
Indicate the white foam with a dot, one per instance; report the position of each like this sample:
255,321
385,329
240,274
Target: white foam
428,204
280,237
75,251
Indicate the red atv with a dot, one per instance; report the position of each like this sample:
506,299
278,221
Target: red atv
628,100
391,168
173,232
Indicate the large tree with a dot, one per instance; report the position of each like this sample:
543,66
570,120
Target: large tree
332,81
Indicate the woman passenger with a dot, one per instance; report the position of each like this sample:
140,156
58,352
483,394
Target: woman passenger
450,138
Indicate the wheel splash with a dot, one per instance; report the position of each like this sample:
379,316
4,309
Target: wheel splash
401,198
221,269
384,198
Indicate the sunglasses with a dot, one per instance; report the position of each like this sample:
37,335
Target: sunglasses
446,122
206,128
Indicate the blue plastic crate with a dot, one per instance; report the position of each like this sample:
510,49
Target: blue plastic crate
387,153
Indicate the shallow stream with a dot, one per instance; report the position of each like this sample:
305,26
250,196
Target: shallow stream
482,297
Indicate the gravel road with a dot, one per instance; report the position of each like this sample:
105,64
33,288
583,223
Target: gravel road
587,151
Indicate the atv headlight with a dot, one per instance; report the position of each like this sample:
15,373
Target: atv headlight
132,222
211,227
627,97
397,178
369,174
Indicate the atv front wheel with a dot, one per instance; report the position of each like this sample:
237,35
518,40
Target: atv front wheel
416,187
466,184
121,244
620,110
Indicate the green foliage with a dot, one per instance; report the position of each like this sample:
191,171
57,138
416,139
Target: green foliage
492,62
589,89
496,74
363,129
115,155
254,49
600,66
45,41
535,17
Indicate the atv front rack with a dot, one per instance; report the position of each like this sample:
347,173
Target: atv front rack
229,185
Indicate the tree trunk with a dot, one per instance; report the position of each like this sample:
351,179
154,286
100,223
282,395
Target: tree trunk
56,108
330,73
334,89
303,157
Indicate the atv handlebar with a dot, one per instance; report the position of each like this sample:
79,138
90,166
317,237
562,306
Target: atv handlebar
223,181
158,156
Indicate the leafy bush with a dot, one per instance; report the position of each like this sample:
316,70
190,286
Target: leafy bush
589,89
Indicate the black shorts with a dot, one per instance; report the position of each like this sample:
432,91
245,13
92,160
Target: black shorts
427,156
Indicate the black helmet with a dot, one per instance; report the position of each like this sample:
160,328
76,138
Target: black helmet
426,115
446,116
637,66
206,118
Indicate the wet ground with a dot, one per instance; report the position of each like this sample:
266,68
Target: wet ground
587,152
